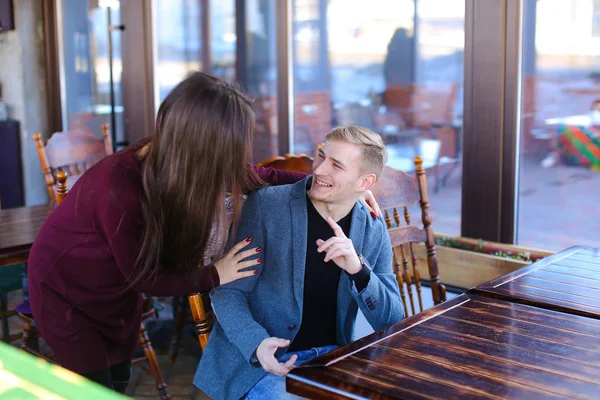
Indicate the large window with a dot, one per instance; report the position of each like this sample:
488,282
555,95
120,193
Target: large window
86,68
192,35
560,147
395,67
259,74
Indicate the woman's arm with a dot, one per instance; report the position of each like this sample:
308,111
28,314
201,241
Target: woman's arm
278,177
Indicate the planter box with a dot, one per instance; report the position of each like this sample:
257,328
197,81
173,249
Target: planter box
465,269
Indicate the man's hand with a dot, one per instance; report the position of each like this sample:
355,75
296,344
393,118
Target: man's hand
265,352
340,249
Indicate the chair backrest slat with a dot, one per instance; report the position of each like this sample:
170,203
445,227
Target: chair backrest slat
406,234
61,186
290,162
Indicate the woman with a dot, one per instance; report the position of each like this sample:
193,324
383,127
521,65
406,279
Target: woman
139,222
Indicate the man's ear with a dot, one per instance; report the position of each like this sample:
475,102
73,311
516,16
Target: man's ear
367,182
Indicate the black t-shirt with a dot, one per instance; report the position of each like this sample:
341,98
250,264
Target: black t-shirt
320,286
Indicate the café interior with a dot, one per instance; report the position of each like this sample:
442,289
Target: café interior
490,115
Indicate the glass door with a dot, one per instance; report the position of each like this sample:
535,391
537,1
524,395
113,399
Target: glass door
191,35
559,182
90,51
395,67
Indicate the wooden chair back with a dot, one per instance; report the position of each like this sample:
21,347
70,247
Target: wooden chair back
395,192
72,152
290,162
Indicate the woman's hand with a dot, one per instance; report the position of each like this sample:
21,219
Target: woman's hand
369,201
230,265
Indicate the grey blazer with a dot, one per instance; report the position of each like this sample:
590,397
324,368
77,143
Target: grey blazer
270,304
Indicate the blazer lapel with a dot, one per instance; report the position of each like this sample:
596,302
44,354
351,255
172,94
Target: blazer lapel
298,237
357,227
357,230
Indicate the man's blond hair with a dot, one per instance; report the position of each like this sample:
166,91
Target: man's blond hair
374,155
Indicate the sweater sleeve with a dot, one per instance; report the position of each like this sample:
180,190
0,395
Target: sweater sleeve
278,177
119,221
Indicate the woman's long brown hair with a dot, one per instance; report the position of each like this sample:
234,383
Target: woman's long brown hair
199,151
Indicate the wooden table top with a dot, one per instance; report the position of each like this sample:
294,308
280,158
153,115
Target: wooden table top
568,281
468,347
18,229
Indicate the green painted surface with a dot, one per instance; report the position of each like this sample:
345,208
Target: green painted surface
24,377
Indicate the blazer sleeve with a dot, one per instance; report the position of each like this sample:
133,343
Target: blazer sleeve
278,177
380,300
118,220
230,301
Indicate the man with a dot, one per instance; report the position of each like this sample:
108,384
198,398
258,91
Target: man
324,258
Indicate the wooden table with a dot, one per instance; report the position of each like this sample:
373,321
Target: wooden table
469,347
568,281
18,229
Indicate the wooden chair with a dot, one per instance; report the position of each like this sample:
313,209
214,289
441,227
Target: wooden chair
289,162
30,333
395,192
202,316
72,152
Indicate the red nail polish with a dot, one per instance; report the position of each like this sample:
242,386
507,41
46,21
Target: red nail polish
255,272
373,214
259,261
258,249
249,239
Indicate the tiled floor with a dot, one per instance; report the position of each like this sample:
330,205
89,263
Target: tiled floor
179,375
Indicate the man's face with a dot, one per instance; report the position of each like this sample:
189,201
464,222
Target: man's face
337,173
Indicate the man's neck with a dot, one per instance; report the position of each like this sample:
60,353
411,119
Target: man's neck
335,211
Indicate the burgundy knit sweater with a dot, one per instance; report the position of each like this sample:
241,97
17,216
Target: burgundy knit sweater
84,251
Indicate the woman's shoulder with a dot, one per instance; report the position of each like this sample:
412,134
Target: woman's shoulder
115,178
124,164
275,193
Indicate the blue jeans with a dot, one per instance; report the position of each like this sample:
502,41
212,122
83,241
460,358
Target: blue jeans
273,386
